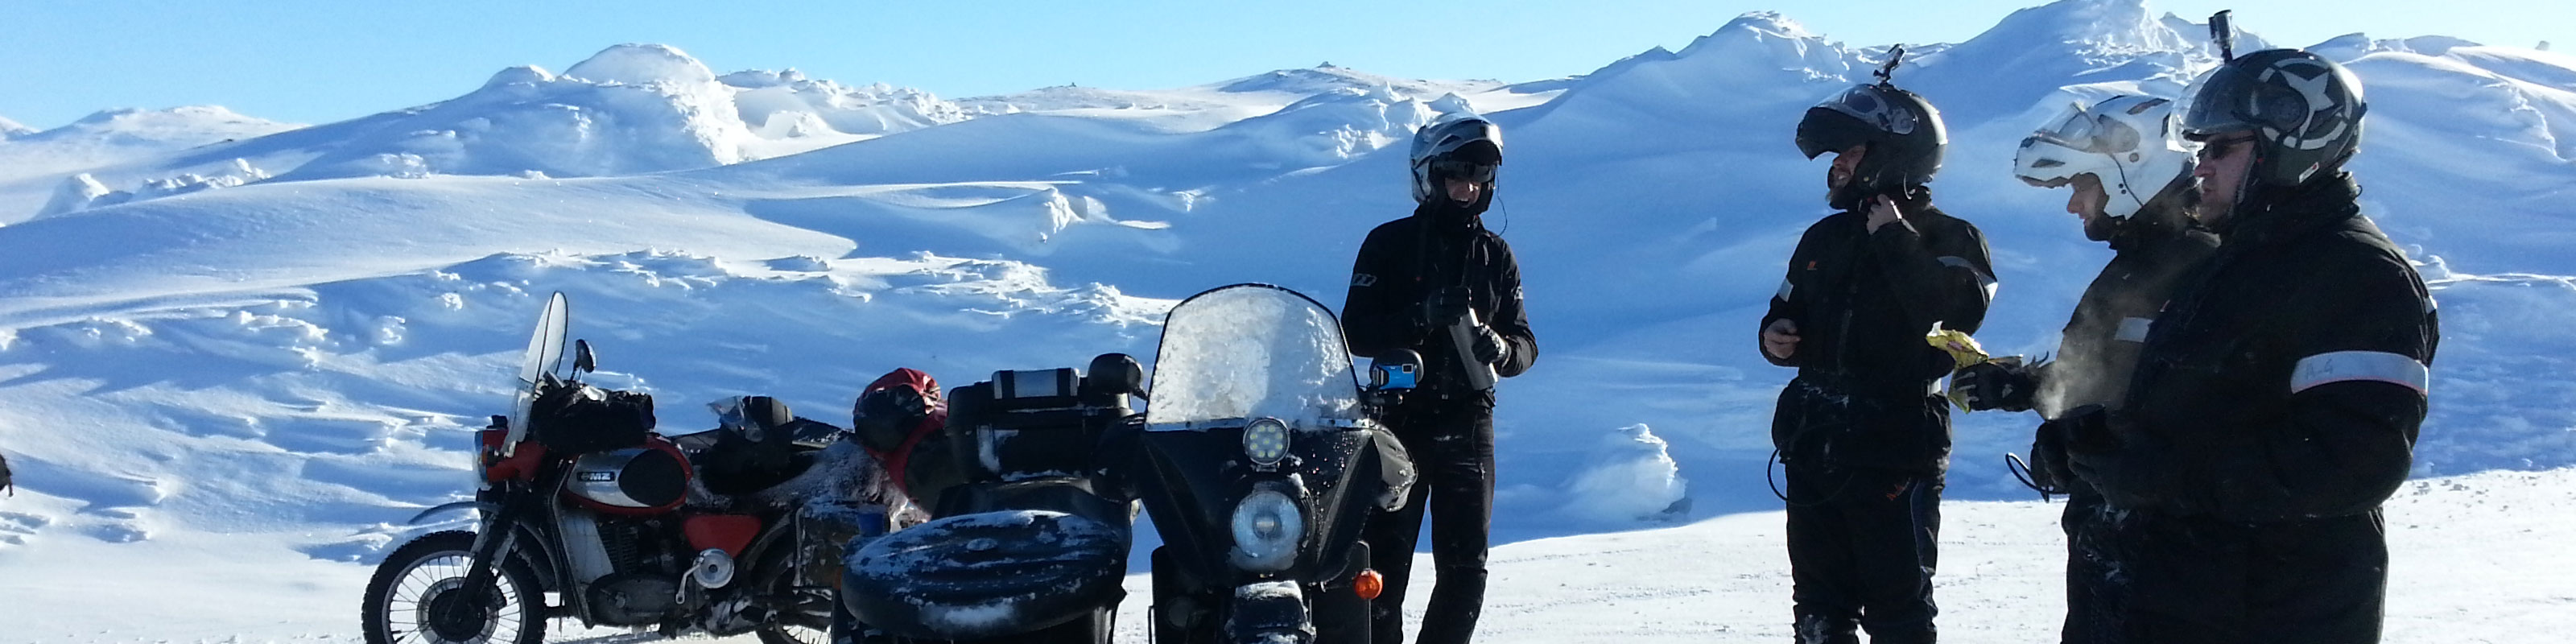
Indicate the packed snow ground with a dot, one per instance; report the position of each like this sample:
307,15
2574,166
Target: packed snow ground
234,352
2475,558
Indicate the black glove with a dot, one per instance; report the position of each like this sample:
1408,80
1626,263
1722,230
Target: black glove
2100,444
2090,429
2048,466
1489,346
2003,383
1446,306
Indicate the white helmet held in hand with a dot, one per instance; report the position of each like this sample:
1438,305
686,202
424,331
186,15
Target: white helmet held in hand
2129,143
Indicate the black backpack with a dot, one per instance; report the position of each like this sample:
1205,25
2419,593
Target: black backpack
579,419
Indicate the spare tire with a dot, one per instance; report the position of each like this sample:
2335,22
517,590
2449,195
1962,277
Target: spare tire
987,574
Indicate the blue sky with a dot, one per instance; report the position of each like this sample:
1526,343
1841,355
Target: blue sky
321,61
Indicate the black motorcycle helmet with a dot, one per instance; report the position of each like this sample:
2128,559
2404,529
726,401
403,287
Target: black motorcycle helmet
1904,134
887,415
888,411
2303,110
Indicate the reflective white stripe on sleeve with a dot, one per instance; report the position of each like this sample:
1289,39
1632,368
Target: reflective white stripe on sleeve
1984,281
2343,366
2133,329
1786,287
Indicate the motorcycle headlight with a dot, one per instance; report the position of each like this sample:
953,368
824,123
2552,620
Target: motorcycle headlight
1265,441
1267,527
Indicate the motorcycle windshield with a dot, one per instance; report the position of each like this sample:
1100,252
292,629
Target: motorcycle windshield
1250,351
544,355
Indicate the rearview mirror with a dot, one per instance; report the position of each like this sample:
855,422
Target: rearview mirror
583,361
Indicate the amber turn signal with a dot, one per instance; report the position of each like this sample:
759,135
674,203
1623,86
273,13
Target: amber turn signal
1368,584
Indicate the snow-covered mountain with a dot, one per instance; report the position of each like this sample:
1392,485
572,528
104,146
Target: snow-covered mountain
629,109
264,378
122,134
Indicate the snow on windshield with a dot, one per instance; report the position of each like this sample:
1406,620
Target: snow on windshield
1252,351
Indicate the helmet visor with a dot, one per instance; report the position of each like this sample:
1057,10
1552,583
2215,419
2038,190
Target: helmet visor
2218,104
2084,131
1866,103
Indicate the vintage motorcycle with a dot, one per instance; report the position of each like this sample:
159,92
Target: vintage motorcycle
579,499
1032,546
1259,458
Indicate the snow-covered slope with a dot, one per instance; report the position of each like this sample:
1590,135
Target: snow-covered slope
34,165
1202,107
122,134
262,377
628,109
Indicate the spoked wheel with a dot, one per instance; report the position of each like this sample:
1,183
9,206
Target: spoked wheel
790,629
417,597
809,613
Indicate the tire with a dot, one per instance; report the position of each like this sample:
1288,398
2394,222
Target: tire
412,579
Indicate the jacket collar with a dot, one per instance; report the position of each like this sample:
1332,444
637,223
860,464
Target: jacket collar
2288,212
1452,218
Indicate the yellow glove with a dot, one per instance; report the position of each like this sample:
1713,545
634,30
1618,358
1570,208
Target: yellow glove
1963,351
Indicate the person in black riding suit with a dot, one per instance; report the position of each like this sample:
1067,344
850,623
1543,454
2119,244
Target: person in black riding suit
1864,442
2277,399
1441,284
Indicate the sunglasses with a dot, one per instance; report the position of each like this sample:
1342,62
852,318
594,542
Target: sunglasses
2217,149
1468,171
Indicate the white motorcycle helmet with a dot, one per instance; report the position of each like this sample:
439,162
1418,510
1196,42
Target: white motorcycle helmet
1461,139
2129,143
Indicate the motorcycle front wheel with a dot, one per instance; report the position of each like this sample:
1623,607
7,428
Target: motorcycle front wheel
411,599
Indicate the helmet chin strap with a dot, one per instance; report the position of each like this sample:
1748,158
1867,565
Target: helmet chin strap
2245,185
1851,194
1854,194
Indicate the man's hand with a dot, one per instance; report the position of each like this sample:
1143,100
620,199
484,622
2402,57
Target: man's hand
1780,339
1445,306
1489,347
2090,429
2098,444
2002,383
2048,466
1883,211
